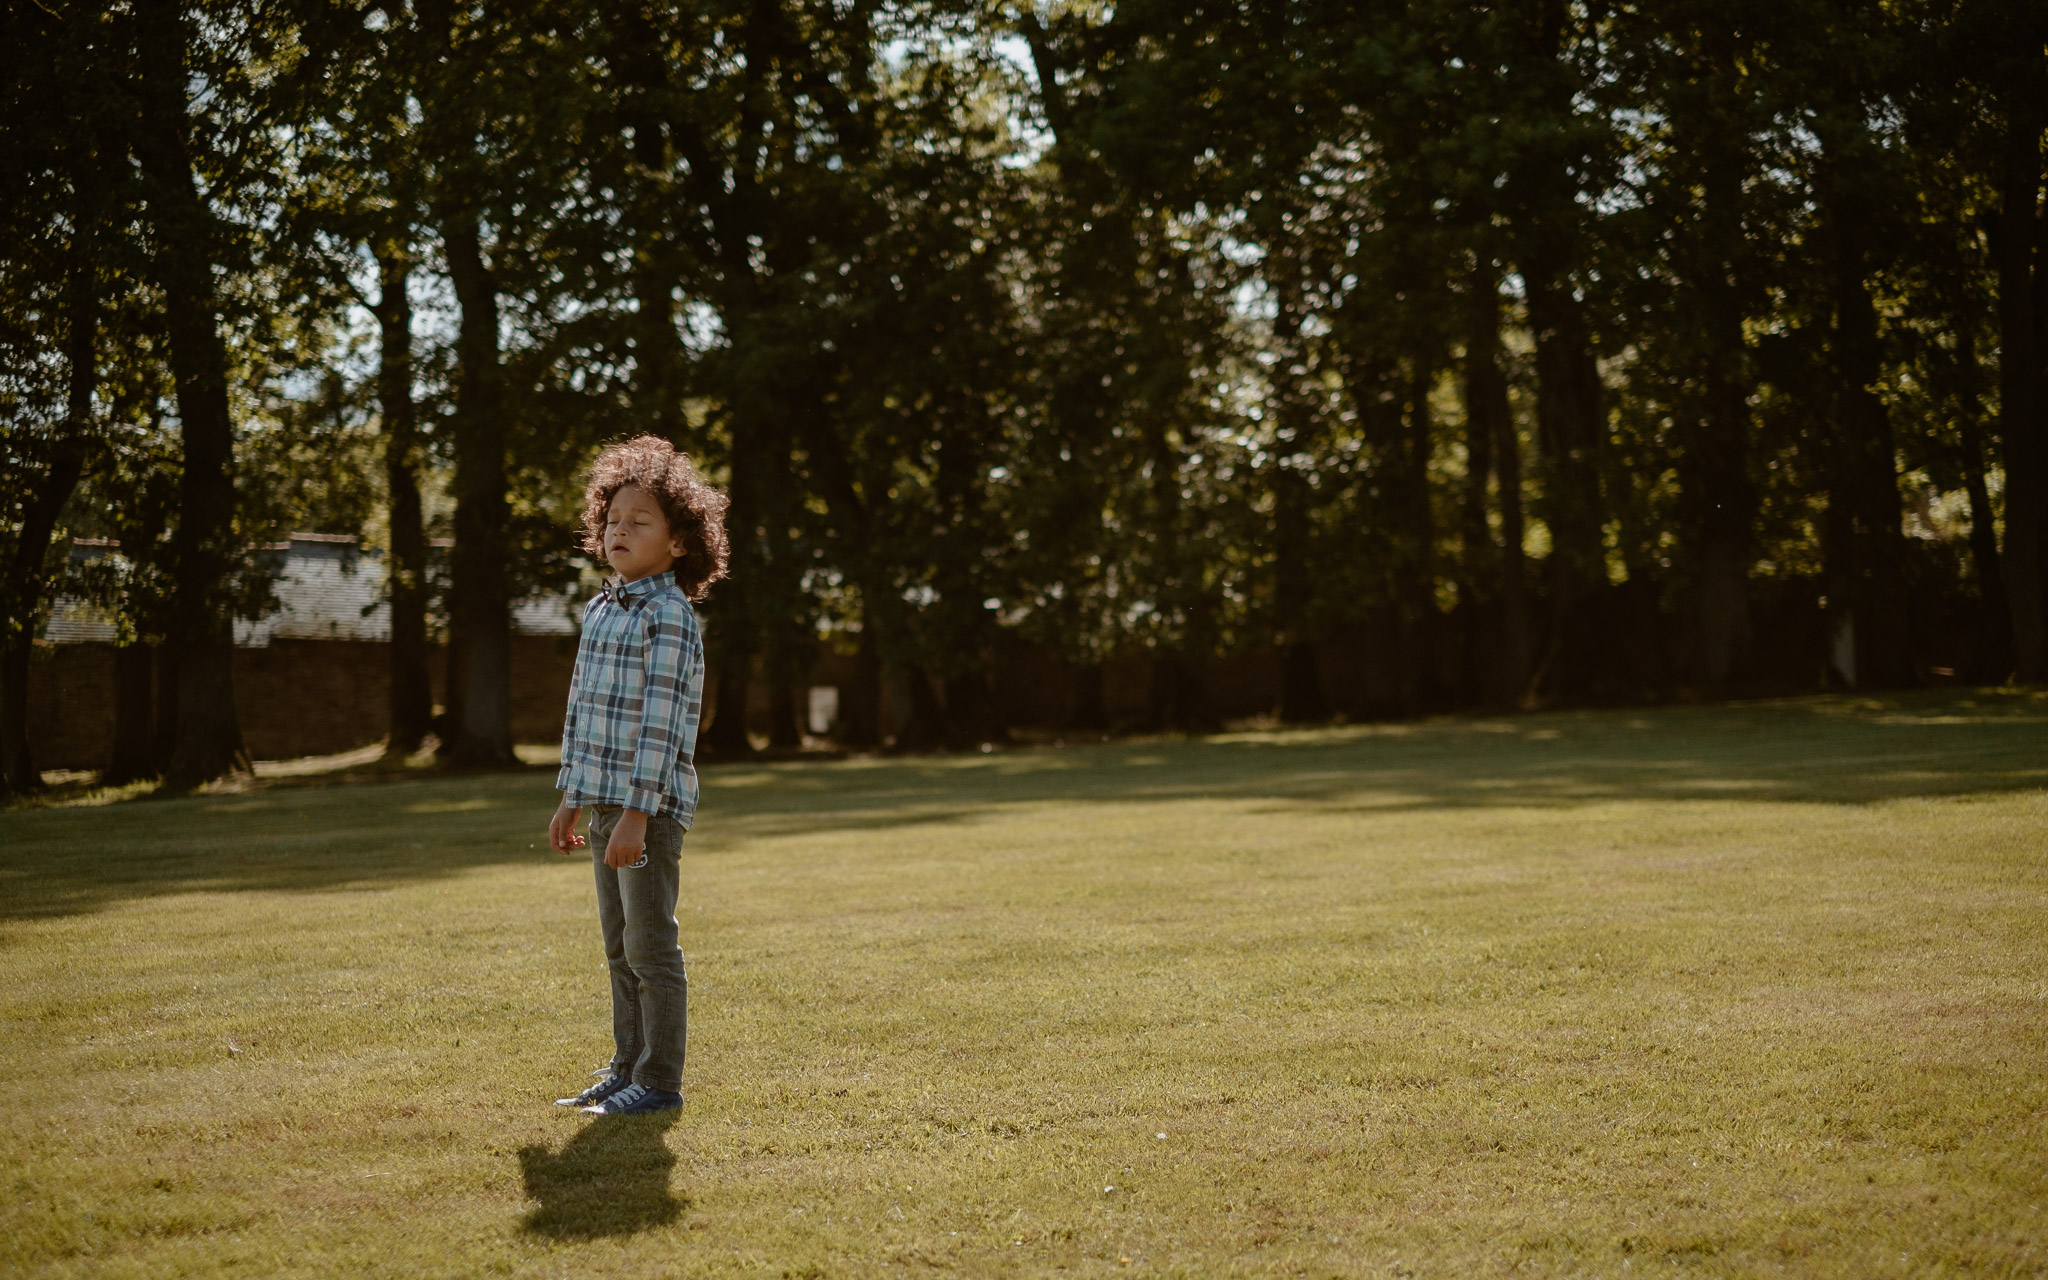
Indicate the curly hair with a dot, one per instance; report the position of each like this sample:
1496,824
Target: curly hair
695,510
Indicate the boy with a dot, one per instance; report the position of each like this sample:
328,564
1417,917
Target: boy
628,744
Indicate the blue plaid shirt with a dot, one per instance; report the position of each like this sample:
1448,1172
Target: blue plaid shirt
630,737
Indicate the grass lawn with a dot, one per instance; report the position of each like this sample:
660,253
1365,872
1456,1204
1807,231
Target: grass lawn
1754,989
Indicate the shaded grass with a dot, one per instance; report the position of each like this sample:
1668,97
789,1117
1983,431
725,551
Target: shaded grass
1741,990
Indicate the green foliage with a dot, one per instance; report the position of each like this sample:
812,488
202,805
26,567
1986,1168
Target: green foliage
1132,330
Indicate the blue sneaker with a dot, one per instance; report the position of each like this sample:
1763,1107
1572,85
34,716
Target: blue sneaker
636,1100
599,1092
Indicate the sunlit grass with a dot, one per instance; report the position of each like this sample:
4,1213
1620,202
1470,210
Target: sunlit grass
1752,989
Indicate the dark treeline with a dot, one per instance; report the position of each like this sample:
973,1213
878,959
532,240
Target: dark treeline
1535,352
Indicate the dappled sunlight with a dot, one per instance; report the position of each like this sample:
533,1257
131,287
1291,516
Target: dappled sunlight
472,805
1825,751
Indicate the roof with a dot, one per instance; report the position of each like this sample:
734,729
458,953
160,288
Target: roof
328,588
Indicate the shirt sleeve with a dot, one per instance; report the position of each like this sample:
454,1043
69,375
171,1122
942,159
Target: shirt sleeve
569,714
670,651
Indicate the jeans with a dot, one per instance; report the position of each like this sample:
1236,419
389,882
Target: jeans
636,908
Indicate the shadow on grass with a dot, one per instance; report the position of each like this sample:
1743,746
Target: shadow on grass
1843,751
612,1179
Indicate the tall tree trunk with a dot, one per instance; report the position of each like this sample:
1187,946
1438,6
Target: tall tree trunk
732,635
209,736
1517,619
918,721
1838,580
1302,700
1478,558
1420,620
1087,709
637,57
972,717
1498,663
134,695
1720,502
1550,239
25,582
411,687
164,742
2021,404
1717,500
480,599
1994,661
1178,697
1867,481
785,729
789,649
860,698
1180,694
134,753
1571,431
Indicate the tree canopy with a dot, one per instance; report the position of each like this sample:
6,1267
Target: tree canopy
1453,355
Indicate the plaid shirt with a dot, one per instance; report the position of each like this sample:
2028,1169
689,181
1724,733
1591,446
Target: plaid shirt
630,737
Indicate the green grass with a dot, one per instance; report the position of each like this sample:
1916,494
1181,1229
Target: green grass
1744,990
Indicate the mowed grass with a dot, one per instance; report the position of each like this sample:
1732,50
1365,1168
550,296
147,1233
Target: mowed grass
1757,989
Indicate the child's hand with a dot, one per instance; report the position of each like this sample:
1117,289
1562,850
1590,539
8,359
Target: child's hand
629,840
562,831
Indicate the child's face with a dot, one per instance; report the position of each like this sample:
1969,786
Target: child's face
637,541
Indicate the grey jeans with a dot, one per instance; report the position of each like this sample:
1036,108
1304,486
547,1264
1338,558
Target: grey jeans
636,907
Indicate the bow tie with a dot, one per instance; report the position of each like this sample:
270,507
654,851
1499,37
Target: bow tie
615,591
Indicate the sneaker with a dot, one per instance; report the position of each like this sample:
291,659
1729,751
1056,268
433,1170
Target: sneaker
636,1100
598,1092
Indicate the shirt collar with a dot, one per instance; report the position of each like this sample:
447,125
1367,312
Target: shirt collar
619,592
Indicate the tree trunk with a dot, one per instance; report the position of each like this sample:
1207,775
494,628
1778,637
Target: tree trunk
411,691
21,775
479,595
860,698
1302,700
1517,623
1571,430
972,717
785,730
1478,558
1179,696
726,737
1866,481
25,581
1087,709
1714,486
1495,581
164,734
789,646
132,756
1993,664
1717,500
454,679
209,736
143,707
637,59
1416,542
2021,407
730,627
919,719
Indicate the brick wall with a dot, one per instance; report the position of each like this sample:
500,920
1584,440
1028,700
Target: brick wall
71,705
295,697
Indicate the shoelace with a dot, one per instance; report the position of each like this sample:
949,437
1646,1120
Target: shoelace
626,1097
